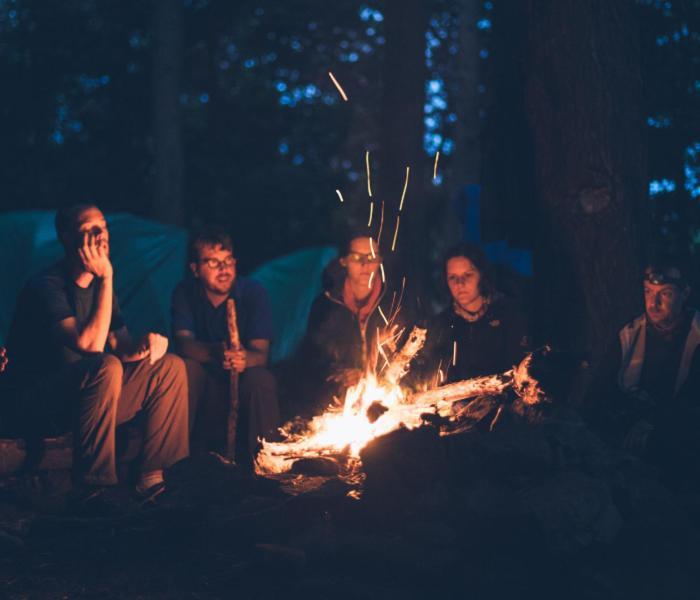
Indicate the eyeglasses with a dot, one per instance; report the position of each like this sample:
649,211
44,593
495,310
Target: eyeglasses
657,278
364,259
215,263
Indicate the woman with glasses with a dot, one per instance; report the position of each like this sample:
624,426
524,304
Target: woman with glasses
481,332
341,337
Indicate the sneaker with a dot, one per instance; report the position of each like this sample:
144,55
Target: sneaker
148,496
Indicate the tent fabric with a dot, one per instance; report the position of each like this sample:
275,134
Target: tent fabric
292,281
149,259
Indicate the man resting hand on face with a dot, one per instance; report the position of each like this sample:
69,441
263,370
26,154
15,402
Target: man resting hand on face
76,367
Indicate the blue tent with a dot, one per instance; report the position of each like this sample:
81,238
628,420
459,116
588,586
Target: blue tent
149,259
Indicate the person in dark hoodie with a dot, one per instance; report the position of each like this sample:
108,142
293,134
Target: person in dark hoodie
344,324
482,332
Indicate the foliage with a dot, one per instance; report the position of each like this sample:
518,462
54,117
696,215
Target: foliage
670,44
267,138
264,128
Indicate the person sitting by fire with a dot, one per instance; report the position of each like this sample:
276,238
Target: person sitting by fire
341,341
201,334
481,332
75,366
645,391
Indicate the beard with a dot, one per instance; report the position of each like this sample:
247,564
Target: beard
221,286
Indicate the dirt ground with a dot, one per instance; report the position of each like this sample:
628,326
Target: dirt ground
479,515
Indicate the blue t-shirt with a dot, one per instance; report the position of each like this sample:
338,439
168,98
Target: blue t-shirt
192,311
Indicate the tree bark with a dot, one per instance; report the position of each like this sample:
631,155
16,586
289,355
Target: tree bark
466,162
584,107
168,203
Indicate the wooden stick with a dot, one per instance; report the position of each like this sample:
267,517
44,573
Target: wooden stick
234,343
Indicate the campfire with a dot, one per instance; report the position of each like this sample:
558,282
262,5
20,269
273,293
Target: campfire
378,405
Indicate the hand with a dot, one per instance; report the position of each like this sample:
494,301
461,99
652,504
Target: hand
638,436
95,257
157,346
3,359
346,377
234,359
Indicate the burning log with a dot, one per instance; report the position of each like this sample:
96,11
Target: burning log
375,410
319,467
445,396
525,385
400,361
375,407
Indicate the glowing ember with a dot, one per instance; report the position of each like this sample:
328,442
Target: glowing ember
337,85
381,224
339,195
369,180
371,212
437,157
405,187
381,267
396,233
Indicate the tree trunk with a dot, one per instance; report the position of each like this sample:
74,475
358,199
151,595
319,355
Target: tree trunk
401,136
466,162
584,108
168,202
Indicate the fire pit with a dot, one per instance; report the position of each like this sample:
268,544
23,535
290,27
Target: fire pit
331,443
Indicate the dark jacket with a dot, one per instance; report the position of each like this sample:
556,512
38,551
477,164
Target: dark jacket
609,407
334,339
490,345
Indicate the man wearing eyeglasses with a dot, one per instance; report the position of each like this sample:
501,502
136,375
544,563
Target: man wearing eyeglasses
655,363
76,367
201,336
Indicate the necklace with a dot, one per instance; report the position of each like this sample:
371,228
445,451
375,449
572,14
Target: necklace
471,315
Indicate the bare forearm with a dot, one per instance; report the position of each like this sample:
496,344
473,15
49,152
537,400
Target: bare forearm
93,336
256,358
200,351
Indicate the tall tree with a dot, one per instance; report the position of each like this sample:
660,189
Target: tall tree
168,202
584,106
